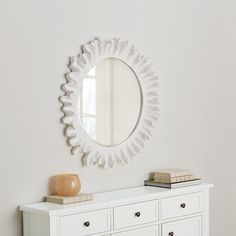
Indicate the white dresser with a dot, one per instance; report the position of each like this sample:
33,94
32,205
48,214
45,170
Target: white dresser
141,211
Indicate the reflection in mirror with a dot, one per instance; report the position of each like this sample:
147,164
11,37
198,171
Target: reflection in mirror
110,102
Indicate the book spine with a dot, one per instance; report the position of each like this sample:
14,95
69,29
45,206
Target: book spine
166,180
68,200
174,179
173,175
165,175
53,200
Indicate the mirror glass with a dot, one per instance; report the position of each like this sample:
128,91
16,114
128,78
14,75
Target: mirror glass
110,102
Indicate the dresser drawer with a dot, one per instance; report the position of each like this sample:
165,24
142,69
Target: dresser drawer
149,231
85,223
187,227
135,214
181,205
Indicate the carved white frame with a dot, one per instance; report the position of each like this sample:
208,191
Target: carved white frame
80,142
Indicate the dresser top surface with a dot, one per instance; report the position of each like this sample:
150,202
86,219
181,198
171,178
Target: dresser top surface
106,199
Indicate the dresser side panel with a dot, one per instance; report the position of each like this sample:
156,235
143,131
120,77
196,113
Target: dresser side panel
205,213
38,225
26,224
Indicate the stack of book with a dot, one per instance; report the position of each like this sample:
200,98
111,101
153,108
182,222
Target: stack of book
172,178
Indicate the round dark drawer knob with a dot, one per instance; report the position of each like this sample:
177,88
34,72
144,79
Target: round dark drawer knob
87,224
171,234
183,205
138,214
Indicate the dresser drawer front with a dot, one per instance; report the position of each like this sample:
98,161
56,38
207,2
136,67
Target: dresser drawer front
181,205
149,231
187,227
85,223
135,214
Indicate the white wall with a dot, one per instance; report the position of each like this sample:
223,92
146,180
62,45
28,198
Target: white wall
192,44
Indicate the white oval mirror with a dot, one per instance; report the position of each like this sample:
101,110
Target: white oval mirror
109,102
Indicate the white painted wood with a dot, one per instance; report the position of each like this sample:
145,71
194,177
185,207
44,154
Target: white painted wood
38,225
73,225
54,225
80,142
149,231
125,216
109,199
205,216
181,205
186,227
112,213
26,223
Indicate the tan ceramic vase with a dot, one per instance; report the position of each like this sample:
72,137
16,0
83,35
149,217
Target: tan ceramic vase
67,185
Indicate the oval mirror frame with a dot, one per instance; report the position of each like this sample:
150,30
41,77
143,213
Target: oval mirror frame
79,141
